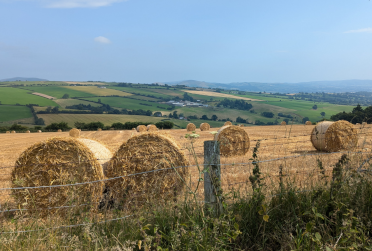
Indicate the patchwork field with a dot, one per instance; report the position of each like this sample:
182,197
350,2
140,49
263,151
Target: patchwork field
10,113
130,104
221,95
68,102
59,91
96,91
12,96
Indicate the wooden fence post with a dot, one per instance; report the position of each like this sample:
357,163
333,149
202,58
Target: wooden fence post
212,176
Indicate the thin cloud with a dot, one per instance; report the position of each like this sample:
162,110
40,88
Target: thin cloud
66,4
102,40
365,30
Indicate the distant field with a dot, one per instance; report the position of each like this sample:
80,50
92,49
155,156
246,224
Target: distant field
222,95
130,104
31,83
142,91
59,91
96,91
9,113
12,96
85,83
67,102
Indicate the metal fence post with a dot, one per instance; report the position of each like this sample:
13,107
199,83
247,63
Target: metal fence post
212,176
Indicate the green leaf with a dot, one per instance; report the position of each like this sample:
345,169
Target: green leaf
319,216
309,226
261,212
266,218
236,226
328,249
318,236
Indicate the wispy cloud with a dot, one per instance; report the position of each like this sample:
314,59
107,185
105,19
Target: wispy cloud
102,40
365,30
66,4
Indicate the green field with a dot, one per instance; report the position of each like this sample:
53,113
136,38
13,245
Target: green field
12,96
130,104
68,102
9,113
142,91
58,91
34,83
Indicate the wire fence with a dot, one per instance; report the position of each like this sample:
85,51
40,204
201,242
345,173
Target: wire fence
305,168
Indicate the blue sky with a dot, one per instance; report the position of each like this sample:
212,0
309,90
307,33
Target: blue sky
168,40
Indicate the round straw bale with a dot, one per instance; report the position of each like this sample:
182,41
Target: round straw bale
7,131
334,136
241,125
28,132
60,161
147,152
59,130
13,132
75,133
191,127
204,127
141,128
227,123
39,131
152,128
99,129
134,129
308,123
233,140
364,123
283,123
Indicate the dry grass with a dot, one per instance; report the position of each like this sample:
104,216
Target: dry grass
223,95
276,142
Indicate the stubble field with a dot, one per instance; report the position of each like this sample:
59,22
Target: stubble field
281,147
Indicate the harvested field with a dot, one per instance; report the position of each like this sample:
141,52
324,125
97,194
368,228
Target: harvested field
222,95
44,95
275,142
95,90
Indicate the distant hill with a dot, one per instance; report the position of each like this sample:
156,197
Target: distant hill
337,86
22,79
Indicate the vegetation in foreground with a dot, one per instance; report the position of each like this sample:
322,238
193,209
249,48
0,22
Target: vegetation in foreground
332,215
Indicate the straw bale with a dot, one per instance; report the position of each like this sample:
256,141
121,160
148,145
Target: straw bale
204,127
75,133
191,127
152,128
59,130
39,131
60,161
241,125
7,131
99,129
334,136
28,132
141,128
364,123
13,131
141,153
283,123
227,123
233,140
134,129
308,123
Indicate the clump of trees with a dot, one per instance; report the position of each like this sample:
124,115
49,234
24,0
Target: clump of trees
357,115
235,104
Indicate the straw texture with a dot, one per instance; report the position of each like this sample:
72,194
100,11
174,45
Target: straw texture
334,136
204,127
152,128
283,123
146,152
308,123
227,123
75,133
234,141
60,161
191,127
141,128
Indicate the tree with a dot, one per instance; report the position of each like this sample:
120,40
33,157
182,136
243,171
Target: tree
267,114
55,109
315,107
323,114
205,117
175,115
214,117
158,114
99,100
305,119
66,96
